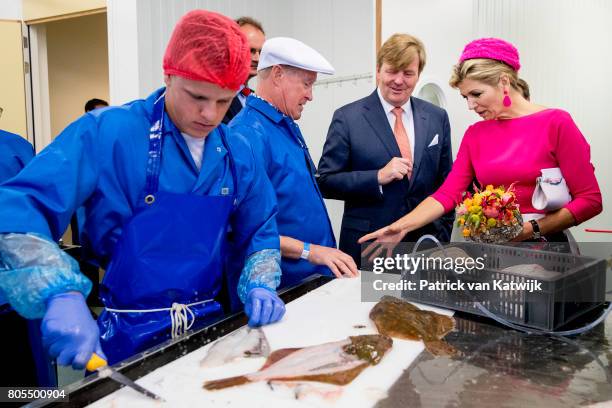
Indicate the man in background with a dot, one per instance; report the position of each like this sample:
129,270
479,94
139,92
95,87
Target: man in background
256,36
95,103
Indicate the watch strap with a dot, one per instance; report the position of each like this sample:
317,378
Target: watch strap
305,251
536,229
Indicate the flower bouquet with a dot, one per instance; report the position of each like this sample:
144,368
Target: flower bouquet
491,215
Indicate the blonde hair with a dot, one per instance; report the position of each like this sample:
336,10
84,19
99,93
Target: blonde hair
400,50
488,71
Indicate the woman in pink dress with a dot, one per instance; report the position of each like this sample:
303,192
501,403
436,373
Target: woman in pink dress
512,144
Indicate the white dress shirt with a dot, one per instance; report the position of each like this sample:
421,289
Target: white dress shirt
407,118
241,97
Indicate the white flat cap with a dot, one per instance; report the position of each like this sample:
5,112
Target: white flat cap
289,51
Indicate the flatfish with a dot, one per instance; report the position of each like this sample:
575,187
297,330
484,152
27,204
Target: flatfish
337,362
244,342
397,318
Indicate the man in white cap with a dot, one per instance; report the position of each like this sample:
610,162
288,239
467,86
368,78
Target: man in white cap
286,73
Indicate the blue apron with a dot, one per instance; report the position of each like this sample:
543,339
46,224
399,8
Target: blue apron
171,251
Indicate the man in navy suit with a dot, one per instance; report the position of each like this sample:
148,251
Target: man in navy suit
256,36
387,152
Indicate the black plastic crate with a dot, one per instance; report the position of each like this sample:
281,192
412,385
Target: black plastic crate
576,288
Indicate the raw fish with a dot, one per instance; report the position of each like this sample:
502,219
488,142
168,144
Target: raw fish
451,252
310,390
244,342
397,318
533,271
338,362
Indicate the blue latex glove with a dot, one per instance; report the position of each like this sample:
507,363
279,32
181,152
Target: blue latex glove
69,332
263,307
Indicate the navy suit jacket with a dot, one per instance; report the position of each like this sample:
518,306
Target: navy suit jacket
359,143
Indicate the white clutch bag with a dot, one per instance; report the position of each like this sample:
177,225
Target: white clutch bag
551,192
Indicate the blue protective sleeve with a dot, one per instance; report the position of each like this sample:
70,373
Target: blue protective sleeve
261,270
32,269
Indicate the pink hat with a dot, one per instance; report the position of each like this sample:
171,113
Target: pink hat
492,48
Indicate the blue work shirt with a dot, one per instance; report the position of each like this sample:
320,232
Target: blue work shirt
280,146
15,153
99,162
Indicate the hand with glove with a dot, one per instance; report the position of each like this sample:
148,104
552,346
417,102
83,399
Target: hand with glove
263,306
69,332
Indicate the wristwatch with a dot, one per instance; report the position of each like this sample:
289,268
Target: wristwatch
305,251
536,229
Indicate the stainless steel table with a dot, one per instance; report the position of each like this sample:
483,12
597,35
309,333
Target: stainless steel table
496,367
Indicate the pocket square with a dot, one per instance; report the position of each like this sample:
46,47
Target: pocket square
434,141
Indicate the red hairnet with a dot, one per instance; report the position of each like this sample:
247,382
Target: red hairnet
207,46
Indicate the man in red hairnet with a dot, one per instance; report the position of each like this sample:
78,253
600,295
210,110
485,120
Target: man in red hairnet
161,184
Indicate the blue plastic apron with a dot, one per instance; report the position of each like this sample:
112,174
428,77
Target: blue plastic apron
171,251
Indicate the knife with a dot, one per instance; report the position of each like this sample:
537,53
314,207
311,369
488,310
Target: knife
97,363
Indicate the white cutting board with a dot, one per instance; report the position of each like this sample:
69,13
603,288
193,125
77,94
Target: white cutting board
329,313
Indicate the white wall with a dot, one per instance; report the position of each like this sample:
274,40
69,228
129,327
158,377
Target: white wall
123,52
11,10
565,54
444,26
343,31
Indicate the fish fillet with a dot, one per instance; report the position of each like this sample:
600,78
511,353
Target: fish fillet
397,318
338,362
244,342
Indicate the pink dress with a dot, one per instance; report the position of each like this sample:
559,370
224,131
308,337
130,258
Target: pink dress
501,152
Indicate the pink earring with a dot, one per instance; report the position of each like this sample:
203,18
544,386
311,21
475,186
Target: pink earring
507,101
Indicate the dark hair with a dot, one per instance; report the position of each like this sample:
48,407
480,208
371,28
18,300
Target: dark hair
242,21
92,103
